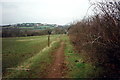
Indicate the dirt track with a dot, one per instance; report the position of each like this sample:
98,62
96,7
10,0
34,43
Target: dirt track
55,70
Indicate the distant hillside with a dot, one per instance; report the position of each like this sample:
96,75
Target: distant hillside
32,29
37,27
32,26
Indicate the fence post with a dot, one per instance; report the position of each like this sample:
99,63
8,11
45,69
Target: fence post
49,32
48,40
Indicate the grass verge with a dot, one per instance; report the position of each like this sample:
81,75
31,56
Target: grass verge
76,67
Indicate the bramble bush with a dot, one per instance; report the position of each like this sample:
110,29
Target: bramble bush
97,38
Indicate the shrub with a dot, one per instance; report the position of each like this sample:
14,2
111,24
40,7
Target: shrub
98,37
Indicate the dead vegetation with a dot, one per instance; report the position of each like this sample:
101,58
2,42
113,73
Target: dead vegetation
97,38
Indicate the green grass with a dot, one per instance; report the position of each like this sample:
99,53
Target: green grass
16,50
27,27
77,68
32,53
45,26
36,64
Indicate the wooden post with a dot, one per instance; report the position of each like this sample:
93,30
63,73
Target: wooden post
48,40
49,32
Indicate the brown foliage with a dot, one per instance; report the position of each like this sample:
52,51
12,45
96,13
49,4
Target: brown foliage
97,38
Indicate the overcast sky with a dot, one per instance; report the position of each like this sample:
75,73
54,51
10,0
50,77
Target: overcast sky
43,11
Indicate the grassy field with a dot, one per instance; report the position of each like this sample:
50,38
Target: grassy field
29,57
16,50
35,66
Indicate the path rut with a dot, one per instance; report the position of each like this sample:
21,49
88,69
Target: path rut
56,69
